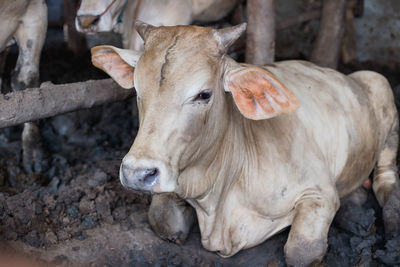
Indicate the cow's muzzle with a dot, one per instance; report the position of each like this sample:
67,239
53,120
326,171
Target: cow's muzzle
87,23
144,179
147,174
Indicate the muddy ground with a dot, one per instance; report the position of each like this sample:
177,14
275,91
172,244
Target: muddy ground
78,214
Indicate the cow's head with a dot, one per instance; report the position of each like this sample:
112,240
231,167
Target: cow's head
185,83
98,15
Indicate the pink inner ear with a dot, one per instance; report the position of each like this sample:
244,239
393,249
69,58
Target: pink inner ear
110,62
259,95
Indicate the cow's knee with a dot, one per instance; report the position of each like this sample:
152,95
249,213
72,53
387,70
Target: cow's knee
301,252
313,214
19,82
171,217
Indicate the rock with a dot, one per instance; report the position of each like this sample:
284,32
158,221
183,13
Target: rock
80,236
51,238
53,185
11,235
73,212
50,202
70,195
61,260
103,208
119,213
63,125
65,220
13,203
355,219
86,206
39,208
391,255
358,244
88,222
25,215
33,239
63,235
99,177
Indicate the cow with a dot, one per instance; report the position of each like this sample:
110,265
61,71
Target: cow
254,149
106,15
25,22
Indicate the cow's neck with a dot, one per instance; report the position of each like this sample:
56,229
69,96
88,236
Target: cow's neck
232,158
244,153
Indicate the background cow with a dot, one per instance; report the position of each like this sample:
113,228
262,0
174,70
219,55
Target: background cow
106,15
25,21
252,149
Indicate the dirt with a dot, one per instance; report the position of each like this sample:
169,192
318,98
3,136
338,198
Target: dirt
77,214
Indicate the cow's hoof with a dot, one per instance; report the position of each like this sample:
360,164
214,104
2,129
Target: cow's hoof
171,217
391,215
299,252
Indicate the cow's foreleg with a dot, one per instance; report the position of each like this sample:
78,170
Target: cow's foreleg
171,217
308,236
30,37
386,184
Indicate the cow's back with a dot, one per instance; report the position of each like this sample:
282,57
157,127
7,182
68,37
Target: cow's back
347,117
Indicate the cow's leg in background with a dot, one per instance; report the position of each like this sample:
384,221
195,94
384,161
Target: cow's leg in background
386,186
308,236
171,217
30,37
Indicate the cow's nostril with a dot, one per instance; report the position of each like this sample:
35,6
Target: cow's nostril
88,21
138,178
96,21
151,177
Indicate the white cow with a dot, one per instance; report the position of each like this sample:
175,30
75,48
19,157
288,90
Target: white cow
253,149
106,15
25,21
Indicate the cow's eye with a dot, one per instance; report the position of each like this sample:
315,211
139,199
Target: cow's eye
203,96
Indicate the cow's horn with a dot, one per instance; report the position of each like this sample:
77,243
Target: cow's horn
228,36
142,28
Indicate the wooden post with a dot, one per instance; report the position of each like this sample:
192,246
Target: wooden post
260,43
76,40
349,50
328,44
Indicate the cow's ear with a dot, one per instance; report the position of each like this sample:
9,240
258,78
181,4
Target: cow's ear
258,94
118,63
